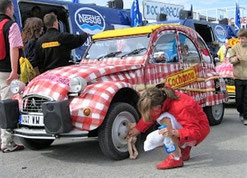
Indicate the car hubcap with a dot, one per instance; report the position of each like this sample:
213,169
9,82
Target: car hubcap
217,111
120,129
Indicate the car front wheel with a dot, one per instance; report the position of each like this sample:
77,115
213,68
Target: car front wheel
114,129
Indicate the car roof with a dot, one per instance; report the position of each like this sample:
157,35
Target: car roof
132,31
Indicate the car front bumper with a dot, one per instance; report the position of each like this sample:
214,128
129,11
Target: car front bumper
42,134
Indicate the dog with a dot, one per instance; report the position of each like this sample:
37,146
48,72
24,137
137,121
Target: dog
131,143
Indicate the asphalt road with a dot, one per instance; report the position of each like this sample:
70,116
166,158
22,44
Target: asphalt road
222,154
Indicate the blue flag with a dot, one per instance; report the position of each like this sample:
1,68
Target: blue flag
191,11
75,1
237,18
136,16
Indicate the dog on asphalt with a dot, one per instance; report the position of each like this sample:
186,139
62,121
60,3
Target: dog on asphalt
131,143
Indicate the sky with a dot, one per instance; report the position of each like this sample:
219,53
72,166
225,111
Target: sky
204,7
197,4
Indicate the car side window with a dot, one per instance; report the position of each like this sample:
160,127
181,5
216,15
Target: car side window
189,52
165,50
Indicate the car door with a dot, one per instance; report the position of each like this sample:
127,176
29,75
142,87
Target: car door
163,59
191,61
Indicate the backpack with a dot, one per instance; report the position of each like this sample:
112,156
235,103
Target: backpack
27,72
2,41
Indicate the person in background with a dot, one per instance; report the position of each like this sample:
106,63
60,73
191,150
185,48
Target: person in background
238,57
9,65
214,47
53,49
222,51
32,30
61,26
187,124
36,12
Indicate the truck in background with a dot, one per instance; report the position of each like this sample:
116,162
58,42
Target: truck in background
76,17
210,32
90,18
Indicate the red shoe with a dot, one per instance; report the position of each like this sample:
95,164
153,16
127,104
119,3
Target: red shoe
170,162
185,153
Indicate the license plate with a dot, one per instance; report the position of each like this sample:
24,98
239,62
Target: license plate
32,120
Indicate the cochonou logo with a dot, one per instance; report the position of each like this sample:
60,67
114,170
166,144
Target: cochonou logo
220,32
89,20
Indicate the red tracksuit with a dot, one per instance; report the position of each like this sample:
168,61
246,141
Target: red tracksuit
188,113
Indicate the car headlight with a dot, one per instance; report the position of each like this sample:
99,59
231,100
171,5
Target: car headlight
17,86
77,84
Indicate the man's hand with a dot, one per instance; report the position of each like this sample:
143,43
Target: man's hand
239,57
133,132
11,77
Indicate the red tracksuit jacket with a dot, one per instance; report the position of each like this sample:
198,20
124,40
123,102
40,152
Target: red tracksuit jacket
188,113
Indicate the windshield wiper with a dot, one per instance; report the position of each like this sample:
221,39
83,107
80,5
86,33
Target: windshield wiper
136,51
112,54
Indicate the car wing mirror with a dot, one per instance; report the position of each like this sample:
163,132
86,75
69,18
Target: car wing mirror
217,60
159,56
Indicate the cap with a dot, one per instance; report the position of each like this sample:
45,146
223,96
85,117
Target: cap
162,127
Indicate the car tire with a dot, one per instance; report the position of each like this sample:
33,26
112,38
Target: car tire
113,130
215,113
36,144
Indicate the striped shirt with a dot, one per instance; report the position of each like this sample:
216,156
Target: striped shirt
15,39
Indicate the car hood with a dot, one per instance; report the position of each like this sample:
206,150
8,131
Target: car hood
55,83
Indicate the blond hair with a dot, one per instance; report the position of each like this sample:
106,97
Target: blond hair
153,97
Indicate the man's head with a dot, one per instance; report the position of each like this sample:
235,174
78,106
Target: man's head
53,11
242,35
7,8
50,21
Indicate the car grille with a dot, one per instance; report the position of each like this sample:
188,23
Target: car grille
33,104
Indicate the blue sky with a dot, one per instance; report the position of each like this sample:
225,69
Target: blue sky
197,4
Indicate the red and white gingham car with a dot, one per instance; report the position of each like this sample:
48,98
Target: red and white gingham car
98,97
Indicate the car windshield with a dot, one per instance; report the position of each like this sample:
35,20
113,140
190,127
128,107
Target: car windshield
118,47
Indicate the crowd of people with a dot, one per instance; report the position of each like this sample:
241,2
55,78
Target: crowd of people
45,51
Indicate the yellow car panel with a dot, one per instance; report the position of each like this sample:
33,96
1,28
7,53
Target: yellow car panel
127,31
